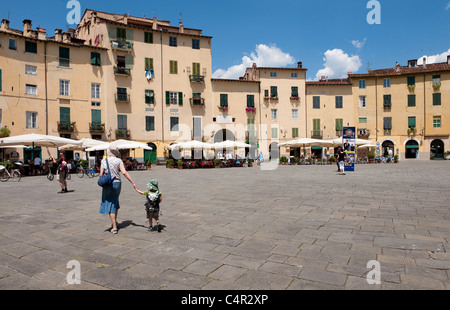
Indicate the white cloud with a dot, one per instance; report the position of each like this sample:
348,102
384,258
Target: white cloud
338,64
434,58
263,56
358,44
448,6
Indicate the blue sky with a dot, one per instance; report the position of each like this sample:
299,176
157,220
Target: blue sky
330,37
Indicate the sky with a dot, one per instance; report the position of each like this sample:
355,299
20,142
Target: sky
330,37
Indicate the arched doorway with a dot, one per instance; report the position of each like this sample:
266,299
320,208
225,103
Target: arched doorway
274,151
223,135
151,154
437,149
412,149
387,148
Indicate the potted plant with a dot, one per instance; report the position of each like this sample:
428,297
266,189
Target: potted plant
283,160
411,87
250,162
180,164
396,159
411,131
217,162
4,132
148,164
436,86
371,156
170,163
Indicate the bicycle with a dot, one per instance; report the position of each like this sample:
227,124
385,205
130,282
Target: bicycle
92,172
5,175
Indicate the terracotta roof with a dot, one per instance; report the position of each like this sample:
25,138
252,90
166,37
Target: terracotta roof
234,80
329,82
405,70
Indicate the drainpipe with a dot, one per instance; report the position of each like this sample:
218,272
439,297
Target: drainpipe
162,91
46,90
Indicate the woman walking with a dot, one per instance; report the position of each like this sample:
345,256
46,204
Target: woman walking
110,194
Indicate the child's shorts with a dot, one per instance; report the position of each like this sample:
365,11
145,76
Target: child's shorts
153,214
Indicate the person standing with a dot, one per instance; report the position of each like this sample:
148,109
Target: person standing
62,170
110,194
341,160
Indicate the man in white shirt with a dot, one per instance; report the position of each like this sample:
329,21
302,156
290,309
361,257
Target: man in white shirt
37,165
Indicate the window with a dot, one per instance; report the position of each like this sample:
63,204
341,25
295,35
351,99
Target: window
273,74
294,91
294,132
0,117
316,128
173,123
172,41
362,101
411,80
12,44
436,79
195,44
266,93
95,59
362,84
148,64
273,113
32,120
437,99
95,91
411,121
96,116
30,47
173,67
250,101
273,91
148,37
0,79
149,96
411,100
149,123
174,98
363,119
294,113
293,74
339,102
436,122
121,34
387,101
122,95
122,122
224,100
30,69
64,56
31,89
95,104
339,122
64,115
196,68
386,83
274,132
197,99
64,88
316,102
387,123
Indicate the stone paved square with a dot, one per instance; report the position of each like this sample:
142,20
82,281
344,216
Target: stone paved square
292,228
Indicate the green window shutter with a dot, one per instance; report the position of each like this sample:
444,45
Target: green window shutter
437,99
121,34
266,93
129,61
411,100
338,102
387,101
294,132
250,101
149,96
121,122
180,98
148,37
64,115
411,80
95,59
294,91
387,123
96,116
316,124
1,80
411,121
173,67
64,56
339,124
148,64
149,123
196,68
273,91
167,97
224,100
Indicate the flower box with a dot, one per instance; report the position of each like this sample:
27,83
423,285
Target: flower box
250,109
294,98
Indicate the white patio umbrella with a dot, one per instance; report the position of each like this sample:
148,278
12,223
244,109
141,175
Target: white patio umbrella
367,145
34,139
85,143
338,141
228,144
120,144
306,142
193,144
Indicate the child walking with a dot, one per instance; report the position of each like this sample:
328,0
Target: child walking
154,198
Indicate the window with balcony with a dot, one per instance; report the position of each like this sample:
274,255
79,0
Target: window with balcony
122,95
96,121
197,99
122,126
294,92
316,132
64,120
274,92
223,100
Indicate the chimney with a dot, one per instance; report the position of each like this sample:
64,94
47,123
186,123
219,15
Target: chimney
125,19
322,78
349,73
155,24
58,35
181,29
26,27
66,37
5,24
448,60
41,33
299,65
412,63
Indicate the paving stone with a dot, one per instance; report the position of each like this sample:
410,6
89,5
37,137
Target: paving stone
323,276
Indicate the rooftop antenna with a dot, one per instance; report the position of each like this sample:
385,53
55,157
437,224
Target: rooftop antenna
181,18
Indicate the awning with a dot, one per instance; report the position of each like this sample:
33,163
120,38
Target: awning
412,146
317,148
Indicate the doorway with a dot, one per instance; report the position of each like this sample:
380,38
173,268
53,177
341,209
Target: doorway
412,149
437,149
